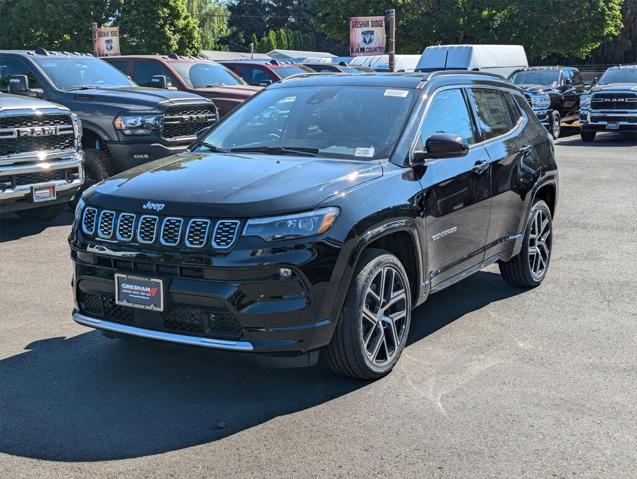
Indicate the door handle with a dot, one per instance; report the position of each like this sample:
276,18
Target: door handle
480,167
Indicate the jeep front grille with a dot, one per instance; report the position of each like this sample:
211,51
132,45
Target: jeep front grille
614,101
160,231
187,120
32,133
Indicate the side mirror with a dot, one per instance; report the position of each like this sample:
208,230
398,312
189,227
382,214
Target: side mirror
19,85
441,145
265,83
159,81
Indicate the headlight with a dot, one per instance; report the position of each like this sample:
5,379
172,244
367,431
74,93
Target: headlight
78,210
77,127
292,226
541,101
585,102
138,124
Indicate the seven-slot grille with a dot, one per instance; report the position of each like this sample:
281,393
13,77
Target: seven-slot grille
614,101
160,230
187,120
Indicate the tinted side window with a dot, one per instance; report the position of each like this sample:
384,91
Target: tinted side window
121,65
448,114
492,112
513,107
567,77
253,75
145,70
13,66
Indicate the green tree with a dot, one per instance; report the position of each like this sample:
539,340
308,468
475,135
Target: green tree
271,43
212,19
161,26
281,39
54,25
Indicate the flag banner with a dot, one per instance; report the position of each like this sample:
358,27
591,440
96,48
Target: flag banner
106,42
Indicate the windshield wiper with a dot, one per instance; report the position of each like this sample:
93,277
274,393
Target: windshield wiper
278,150
82,87
213,148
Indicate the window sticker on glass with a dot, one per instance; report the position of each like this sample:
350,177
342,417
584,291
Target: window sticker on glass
397,93
288,99
365,152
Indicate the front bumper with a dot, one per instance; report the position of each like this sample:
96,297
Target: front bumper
273,307
129,155
617,121
28,170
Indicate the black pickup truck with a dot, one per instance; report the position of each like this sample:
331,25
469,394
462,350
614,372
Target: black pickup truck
553,93
611,104
124,125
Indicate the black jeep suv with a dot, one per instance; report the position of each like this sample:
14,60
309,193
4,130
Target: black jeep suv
124,125
553,93
611,104
317,215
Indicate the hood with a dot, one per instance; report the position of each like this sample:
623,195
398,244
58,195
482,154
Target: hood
615,86
19,102
136,96
232,185
536,88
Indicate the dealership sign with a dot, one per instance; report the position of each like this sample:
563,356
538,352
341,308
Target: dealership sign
366,36
106,41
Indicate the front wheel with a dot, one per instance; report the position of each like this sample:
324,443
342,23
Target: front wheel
373,329
528,268
556,124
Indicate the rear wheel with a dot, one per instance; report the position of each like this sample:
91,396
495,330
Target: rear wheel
556,124
587,135
528,268
374,326
43,213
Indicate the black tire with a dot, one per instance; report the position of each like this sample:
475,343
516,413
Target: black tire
556,124
98,165
347,353
587,135
519,270
43,213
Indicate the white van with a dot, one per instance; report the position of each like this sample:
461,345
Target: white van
500,59
380,63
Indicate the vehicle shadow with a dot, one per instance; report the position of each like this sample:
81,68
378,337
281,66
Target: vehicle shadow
87,398
605,139
13,227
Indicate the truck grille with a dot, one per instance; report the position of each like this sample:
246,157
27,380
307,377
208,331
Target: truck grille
187,120
614,101
160,230
216,323
31,133
22,179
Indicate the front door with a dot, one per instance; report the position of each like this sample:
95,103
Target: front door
456,191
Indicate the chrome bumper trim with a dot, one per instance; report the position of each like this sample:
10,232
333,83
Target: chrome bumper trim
162,336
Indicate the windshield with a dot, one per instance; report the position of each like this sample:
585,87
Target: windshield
536,77
285,72
335,121
76,72
618,75
206,74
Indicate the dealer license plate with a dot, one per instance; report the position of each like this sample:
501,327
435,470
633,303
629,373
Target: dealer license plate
612,126
139,292
43,193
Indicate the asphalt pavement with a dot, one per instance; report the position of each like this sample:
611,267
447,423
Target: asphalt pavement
495,382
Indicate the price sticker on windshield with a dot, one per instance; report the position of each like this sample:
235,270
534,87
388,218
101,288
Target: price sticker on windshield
396,93
365,152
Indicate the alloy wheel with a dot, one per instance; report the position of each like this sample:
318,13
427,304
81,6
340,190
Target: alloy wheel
556,128
539,244
384,316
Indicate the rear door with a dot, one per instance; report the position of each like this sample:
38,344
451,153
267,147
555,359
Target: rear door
456,191
502,130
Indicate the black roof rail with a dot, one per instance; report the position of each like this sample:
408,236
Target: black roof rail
464,72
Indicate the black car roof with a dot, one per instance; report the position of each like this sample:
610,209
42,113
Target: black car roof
413,80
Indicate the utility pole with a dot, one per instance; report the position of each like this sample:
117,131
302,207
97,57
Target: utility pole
252,51
390,18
